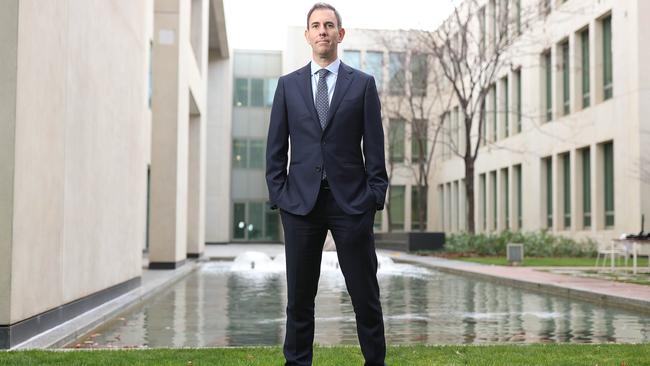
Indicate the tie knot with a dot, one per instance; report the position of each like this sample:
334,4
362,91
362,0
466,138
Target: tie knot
323,73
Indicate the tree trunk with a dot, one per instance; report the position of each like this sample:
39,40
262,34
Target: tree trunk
469,194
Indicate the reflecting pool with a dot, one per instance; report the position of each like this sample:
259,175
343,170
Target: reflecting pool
242,303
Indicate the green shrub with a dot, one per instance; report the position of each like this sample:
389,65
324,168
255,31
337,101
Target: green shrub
536,244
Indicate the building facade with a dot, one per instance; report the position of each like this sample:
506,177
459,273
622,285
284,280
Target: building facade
102,128
565,125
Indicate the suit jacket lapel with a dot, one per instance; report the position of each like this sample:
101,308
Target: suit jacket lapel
343,82
304,81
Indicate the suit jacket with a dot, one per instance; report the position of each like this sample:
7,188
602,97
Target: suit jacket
356,171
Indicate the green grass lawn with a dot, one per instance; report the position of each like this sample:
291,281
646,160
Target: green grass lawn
550,262
510,355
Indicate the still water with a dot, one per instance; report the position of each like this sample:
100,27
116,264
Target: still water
239,304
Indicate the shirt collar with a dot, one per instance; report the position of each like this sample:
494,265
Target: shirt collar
333,67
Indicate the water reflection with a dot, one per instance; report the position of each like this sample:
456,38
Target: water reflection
217,306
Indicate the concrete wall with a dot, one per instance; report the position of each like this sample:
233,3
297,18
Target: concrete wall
219,150
8,59
80,157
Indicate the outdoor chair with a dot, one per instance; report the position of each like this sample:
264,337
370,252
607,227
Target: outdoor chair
613,250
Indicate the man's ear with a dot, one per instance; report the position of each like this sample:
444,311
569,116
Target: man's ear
307,36
341,34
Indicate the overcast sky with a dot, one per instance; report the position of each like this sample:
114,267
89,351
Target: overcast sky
262,24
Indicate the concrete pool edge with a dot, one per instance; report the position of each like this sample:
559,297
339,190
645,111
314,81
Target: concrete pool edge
625,296
153,282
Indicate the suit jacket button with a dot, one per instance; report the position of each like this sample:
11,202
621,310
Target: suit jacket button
317,169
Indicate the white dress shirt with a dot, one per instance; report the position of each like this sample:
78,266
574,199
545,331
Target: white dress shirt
330,78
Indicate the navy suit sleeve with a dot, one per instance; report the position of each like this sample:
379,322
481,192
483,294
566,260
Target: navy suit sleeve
373,144
277,146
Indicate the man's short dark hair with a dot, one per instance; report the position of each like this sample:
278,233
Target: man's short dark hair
325,6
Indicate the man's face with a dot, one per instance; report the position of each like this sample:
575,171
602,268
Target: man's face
323,33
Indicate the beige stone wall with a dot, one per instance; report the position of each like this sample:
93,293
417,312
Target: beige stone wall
218,151
8,58
80,152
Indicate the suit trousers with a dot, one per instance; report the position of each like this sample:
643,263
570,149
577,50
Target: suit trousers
353,235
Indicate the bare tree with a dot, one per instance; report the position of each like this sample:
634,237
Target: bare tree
413,116
469,49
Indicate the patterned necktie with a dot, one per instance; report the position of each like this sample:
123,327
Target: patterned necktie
322,100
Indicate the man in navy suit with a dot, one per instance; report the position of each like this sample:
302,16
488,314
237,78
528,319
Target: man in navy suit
328,115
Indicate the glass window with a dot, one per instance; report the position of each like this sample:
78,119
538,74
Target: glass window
375,66
419,74
484,124
493,95
548,75
269,91
566,180
419,152
352,58
416,223
239,220
586,188
239,154
518,105
608,155
506,196
241,92
607,58
482,30
586,82
272,224
548,165
506,107
256,154
484,201
566,68
519,213
396,73
396,140
493,182
257,92
255,220
397,207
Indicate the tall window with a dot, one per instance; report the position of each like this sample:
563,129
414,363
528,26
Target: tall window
608,82
353,58
248,153
495,211
548,166
396,136
517,123
506,106
493,96
608,164
519,206
397,207
269,86
416,224
419,74
506,196
586,82
378,218
495,21
483,200
548,78
485,121
566,68
566,189
586,187
482,31
518,16
396,73
419,141
241,92
375,66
